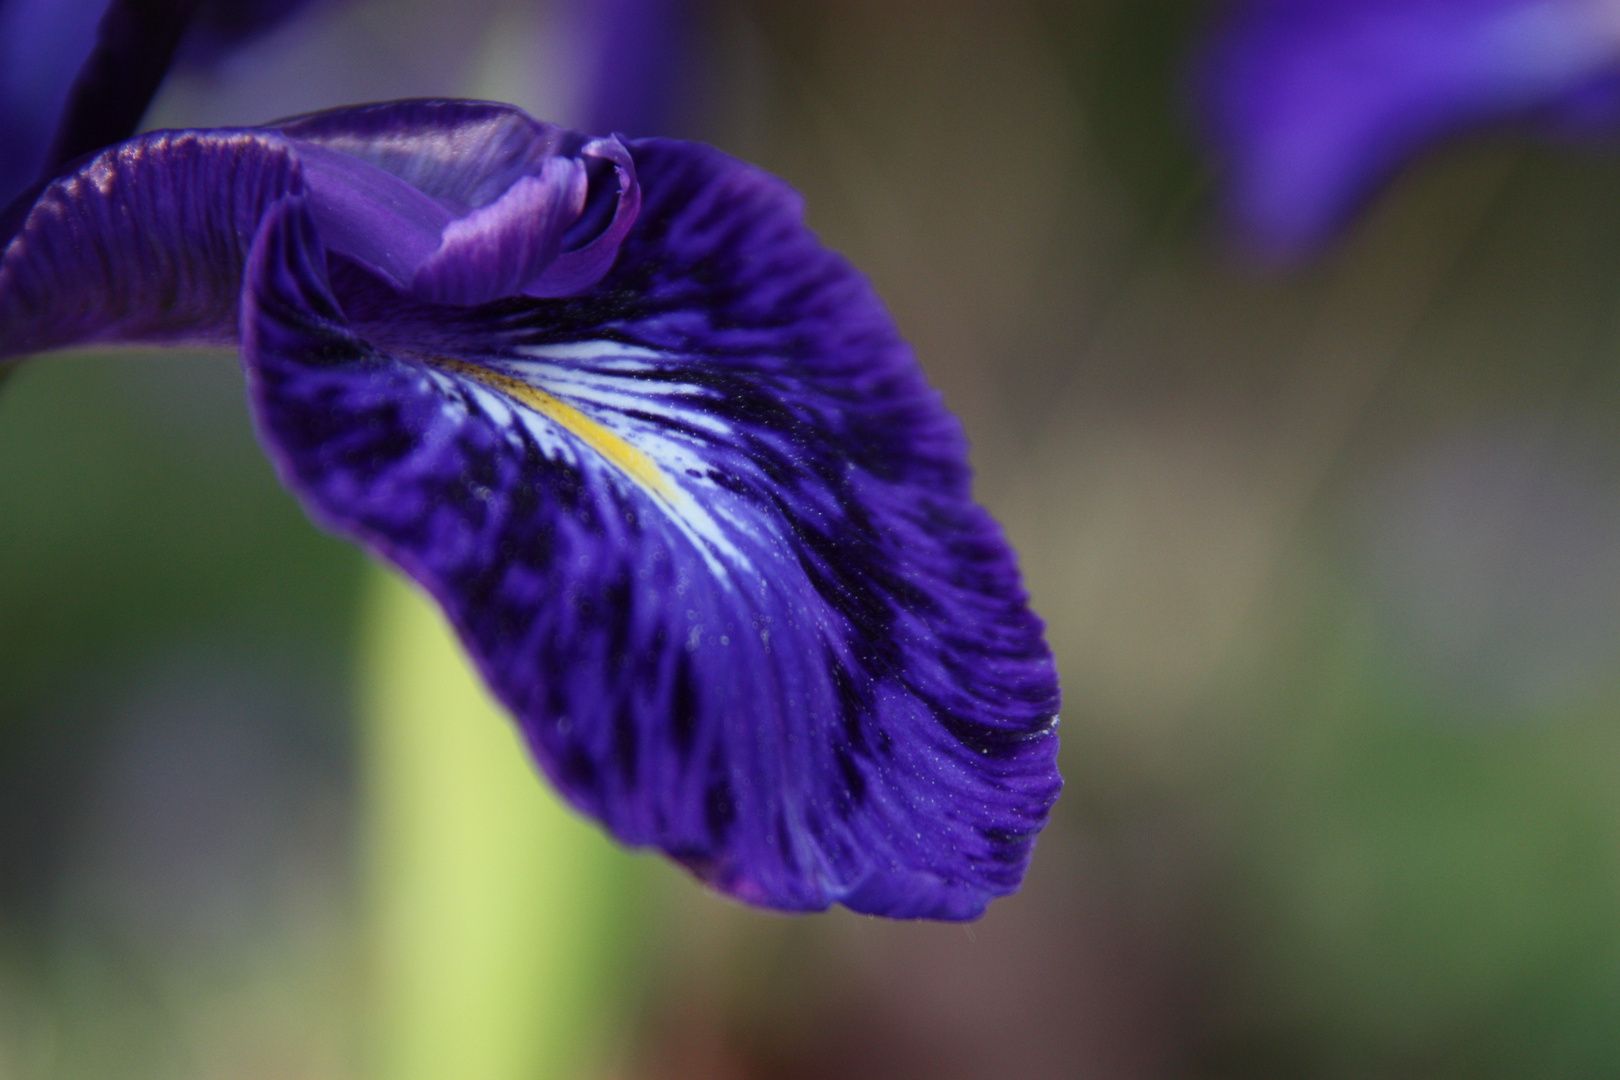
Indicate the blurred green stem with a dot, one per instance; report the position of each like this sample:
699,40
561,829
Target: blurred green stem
497,918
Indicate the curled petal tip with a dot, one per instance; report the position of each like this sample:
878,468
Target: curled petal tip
595,235
506,247
552,229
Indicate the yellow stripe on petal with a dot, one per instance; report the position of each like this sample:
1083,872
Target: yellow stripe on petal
620,454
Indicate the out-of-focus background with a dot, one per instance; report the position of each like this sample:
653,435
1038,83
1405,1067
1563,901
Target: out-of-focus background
1330,559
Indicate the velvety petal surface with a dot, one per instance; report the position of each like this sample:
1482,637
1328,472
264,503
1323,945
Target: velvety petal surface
1312,102
701,523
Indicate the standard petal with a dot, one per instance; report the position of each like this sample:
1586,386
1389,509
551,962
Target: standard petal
539,210
704,529
464,154
505,248
1312,102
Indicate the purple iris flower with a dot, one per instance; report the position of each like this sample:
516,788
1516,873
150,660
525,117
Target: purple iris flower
1313,102
662,458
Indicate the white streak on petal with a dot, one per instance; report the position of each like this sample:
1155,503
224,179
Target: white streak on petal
590,350
642,431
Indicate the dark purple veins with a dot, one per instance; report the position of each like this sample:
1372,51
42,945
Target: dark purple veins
662,458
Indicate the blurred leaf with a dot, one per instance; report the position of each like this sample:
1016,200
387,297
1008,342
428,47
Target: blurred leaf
136,509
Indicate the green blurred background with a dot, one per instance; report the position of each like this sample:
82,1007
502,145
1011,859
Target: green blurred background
1331,563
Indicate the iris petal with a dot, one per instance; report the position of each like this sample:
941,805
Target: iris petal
145,242
513,186
702,525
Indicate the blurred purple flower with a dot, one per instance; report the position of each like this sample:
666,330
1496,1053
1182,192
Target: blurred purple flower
663,459
77,75
634,53
43,44
1312,103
